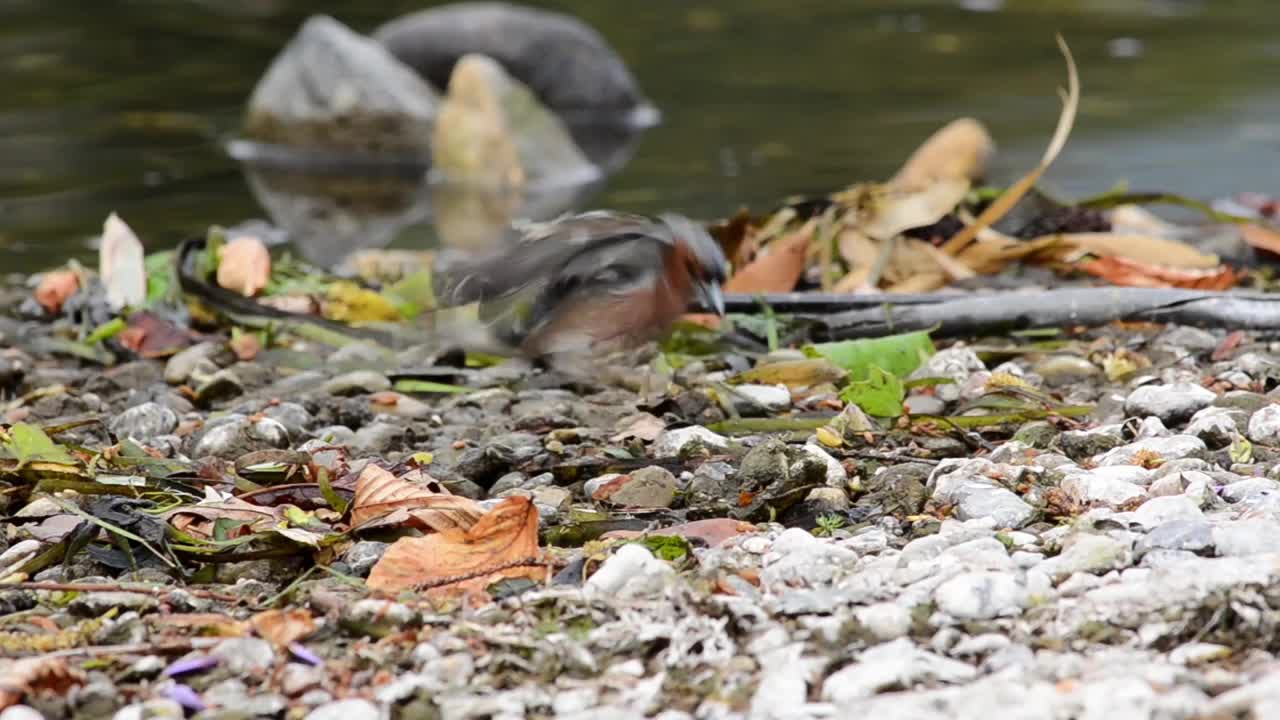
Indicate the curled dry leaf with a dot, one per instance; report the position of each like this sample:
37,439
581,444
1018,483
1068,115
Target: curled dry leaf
882,211
244,266
642,426
453,561
56,288
778,269
122,265
1261,238
711,531
238,518
152,336
1122,271
958,151
382,500
282,627
36,675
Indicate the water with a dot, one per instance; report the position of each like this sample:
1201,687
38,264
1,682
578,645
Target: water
125,105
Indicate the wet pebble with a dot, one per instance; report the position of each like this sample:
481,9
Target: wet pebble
649,487
363,555
670,442
144,423
235,435
357,382
632,571
202,357
1264,425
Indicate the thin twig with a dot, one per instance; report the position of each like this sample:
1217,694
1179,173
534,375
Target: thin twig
119,587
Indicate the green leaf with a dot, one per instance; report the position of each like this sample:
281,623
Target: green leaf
160,276
412,294
427,386
879,395
28,443
898,355
107,330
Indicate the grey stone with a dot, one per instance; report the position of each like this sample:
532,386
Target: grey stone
1264,426
1244,400
1171,403
1247,537
1159,510
769,398
1080,444
377,438
350,709
630,572
143,423
1089,487
201,356
671,442
1086,553
1188,338
957,362
380,613
1170,448
981,595
1217,426
244,657
357,382
648,487
363,555
1196,536
96,604
293,417
234,435
26,712
896,663
1250,488
361,355
917,404
1062,370
885,620
1002,506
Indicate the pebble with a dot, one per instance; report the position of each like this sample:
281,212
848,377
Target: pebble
885,620
245,656
357,382
1216,426
293,417
648,487
670,442
1264,426
363,555
1246,537
980,595
180,367
630,572
234,435
1164,448
837,476
1159,510
1173,404
893,664
1088,488
351,709
1086,553
767,398
144,423
96,604
1196,536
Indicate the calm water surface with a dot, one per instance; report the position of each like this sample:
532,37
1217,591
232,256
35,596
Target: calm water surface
124,105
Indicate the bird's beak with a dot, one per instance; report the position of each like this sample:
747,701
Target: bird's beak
711,296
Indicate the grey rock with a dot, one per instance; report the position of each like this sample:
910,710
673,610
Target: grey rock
1188,338
340,435
247,656
361,355
917,404
671,442
352,709
1264,425
958,363
893,664
1196,536
1037,434
981,595
234,435
768,398
1086,553
293,417
1173,404
154,709
1247,537
330,87
377,438
1217,426
363,555
96,604
357,382
379,613
1249,402
837,476
713,482
1151,427
1063,370
26,712
1159,510
1170,448
885,620
143,423
630,572
1080,444
1249,489
977,496
552,497
1092,487
201,356
648,487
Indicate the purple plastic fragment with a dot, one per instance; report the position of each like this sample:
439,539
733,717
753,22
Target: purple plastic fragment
186,697
301,652
189,665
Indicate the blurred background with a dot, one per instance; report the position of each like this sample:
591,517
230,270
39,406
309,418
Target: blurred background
125,105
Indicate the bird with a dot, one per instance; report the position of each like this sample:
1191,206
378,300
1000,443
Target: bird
589,284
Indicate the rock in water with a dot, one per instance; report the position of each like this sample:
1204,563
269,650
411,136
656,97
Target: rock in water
567,64
333,89
493,131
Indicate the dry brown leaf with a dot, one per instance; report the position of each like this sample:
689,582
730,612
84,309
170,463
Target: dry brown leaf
244,266
282,627
959,150
56,288
245,347
1148,249
381,500
912,263
778,269
1122,271
881,211
36,675
992,252
1011,196
795,374
152,336
1261,238
456,561
641,426
199,520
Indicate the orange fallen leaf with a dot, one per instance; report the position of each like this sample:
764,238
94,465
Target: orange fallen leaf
775,271
453,561
56,288
281,627
1121,271
1261,238
29,676
244,266
381,500
959,150
712,531
245,347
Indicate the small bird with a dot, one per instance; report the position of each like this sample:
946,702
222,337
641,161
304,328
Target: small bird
590,284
